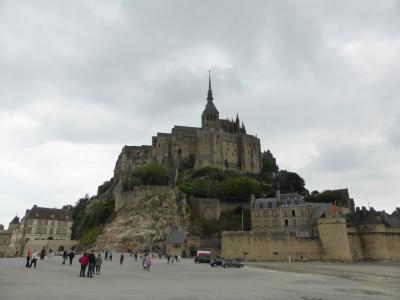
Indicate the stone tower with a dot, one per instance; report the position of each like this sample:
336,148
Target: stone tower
210,116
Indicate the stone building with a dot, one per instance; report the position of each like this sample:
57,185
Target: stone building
5,235
219,143
287,213
175,243
40,224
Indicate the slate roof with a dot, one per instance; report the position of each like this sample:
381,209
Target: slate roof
291,199
15,220
364,217
175,237
210,107
393,220
45,213
317,210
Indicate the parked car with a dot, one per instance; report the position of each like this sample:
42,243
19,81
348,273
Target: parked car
202,259
216,261
232,263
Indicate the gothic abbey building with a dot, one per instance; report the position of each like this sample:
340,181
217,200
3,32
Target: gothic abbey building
218,143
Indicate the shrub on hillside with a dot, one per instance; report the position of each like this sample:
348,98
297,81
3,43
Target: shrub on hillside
152,174
89,235
238,189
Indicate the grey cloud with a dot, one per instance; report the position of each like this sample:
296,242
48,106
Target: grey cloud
305,76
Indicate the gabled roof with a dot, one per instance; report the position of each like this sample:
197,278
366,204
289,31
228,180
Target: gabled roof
317,210
176,237
45,213
15,220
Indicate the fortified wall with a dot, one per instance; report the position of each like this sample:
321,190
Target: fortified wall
336,242
211,209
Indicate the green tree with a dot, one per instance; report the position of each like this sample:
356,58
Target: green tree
152,174
238,189
269,163
290,182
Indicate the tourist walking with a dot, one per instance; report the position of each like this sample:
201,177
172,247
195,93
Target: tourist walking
65,257
148,263
106,255
121,260
71,256
92,262
83,260
42,254
135,255
99,261
110,254
34,259
28,256
144,264
50,254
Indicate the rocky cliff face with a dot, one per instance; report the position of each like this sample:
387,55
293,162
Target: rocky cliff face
145,217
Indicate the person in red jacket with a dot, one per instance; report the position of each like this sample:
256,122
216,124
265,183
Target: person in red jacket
84,260
28,256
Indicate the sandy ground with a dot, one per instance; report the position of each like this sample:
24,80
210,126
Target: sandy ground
185,280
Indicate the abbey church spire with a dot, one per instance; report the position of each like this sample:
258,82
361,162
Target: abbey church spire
209,96
210,116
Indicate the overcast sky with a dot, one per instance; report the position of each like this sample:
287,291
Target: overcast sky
317,81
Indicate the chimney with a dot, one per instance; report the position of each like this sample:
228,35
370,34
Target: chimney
34,205
27,211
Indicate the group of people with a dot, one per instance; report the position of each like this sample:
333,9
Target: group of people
67,255
171,258
108,255
90,261
32,257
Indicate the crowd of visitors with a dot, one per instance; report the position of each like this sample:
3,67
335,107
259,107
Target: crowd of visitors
91,264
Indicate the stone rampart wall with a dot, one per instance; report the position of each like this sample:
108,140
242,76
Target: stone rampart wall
336,242
355,246
211,209
265,246
393,245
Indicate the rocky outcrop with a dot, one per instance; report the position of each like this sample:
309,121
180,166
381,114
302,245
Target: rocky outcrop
145,217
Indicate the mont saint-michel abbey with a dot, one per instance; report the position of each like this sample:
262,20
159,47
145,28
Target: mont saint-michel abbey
219,143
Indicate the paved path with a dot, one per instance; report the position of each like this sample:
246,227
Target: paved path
183,280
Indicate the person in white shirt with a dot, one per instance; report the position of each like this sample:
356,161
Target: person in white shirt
34,259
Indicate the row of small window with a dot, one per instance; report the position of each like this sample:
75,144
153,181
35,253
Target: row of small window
42,230
294,222
265,213
211,117
48,223
292,213
286,213
274,222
